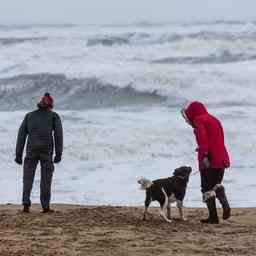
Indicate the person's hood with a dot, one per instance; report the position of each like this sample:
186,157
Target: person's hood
193,110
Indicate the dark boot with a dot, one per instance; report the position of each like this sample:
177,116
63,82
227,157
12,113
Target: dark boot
26,208
47,210
221,195
213,216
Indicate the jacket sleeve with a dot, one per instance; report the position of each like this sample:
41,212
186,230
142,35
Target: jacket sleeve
201,138
58,135
22,136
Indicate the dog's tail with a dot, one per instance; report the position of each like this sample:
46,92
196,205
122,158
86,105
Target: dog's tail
144,183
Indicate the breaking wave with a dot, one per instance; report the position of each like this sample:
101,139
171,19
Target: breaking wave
24,91
136,38
108,41
224,57
12,41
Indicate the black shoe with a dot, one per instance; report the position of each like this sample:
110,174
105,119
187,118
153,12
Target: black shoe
26,208
210,221
221,195
226,213
47,210
213,215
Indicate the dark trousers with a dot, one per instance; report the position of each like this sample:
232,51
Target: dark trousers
211,177
29,171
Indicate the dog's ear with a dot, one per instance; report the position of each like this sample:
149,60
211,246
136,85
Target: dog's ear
179,171
183,171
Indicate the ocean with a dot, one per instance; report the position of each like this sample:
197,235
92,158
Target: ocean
119,90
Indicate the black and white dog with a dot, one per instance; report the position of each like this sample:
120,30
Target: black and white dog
167,191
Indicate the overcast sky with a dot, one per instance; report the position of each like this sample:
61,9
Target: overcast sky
120,11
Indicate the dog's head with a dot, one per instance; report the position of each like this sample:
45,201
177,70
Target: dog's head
183,172
145,183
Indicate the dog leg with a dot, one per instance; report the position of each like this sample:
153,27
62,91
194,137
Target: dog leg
180,207
145,213
169,209
164,207
147,203
163,215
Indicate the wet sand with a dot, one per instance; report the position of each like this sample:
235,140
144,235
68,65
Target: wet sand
74,230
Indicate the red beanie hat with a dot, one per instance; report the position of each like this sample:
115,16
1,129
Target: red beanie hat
46,101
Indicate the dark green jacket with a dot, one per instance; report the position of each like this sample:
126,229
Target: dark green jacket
43,130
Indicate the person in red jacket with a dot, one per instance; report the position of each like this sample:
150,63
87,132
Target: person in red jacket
213,158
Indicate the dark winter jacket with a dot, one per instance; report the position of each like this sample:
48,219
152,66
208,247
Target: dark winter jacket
209,136
43,130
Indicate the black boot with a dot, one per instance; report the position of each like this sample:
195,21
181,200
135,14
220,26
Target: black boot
221,195
26,208
213,216
47,210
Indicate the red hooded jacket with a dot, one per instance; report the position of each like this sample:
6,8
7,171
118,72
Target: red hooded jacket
209,136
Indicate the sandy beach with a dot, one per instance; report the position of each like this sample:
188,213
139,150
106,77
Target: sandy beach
74,230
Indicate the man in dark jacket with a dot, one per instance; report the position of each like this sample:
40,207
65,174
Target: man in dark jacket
42,129
213,158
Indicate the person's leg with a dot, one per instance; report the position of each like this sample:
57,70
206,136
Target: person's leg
208,179
47,169
29,170
221,195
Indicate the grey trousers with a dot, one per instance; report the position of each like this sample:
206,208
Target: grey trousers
29,170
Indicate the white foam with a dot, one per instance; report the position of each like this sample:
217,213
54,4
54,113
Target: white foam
106,151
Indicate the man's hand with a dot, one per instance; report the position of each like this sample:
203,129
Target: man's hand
18,160
57,159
